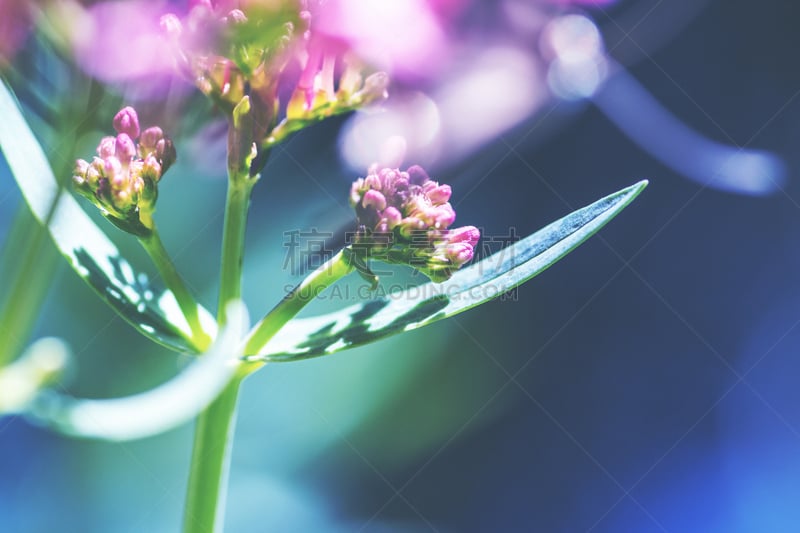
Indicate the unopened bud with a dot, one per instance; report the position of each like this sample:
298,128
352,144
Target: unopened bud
107,147
122,180
414,212
374,199
151,168
150,138
124,150
126,121
440,194
465,234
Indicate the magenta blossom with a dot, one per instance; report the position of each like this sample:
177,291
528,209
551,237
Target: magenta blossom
404,217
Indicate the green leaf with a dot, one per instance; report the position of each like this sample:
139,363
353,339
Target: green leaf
154,411
150,309
353,326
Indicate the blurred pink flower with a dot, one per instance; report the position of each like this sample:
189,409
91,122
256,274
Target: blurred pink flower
587,3
404,38
122,41
15,22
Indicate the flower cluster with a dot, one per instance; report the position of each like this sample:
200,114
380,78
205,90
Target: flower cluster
228,55
315,95
122,179
233,54
404,218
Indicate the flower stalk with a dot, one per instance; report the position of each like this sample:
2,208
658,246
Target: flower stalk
213,440
211,457
166,268
323,277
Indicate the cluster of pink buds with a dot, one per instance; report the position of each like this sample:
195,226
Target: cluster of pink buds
404,218
122,179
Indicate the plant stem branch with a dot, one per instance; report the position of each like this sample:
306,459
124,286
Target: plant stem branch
188,305
324,276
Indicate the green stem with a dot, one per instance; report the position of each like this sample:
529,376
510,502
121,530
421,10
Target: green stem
187,303
233,233
213,438
208,477
214,432
327,274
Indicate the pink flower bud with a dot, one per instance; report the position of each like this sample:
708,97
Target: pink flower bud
465,234
374,199
440,194
126,121
392,217
417,175
355,191
81,166
124,150
373,182
444,216
152,168
150,138
459,253
95,172
107,147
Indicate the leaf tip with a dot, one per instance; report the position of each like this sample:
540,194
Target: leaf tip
630,193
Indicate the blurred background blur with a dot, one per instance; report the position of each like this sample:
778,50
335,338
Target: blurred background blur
644,383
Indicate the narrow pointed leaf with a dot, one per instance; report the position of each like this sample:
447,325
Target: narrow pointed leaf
149,308
495,275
